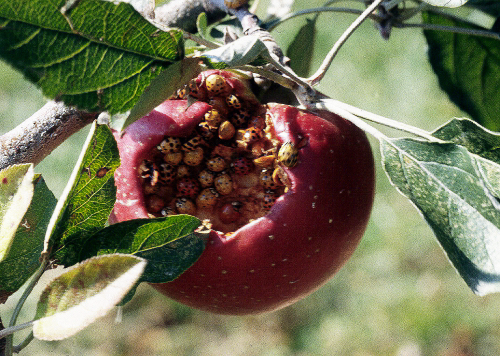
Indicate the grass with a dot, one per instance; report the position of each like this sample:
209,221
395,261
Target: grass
398,295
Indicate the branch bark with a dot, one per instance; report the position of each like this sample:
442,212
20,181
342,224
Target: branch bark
183,14
35,138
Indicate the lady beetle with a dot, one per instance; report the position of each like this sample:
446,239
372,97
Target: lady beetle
193,143
167,173
195,91
258,121
226,130
206,178
288,154
268,200
233,101
251,134
185,206
266,179
219,103
230,212
188,187
183,171
173,158
223,184
240,117
169,144
167,211
194,157
181,93
148,169
242,166
213,118
280,177
205,130
216,164
207,198
154,203
216,84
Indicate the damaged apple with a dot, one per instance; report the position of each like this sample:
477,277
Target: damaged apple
287,193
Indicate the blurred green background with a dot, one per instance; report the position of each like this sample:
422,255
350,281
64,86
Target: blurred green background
398,295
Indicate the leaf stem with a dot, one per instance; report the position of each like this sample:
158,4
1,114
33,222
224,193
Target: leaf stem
276,22
320,73
200,40
25,342
12,328
454,29
7,333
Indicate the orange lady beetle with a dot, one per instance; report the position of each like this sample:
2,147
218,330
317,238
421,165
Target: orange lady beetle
288,154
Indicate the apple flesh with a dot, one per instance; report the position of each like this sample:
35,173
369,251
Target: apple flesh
293,249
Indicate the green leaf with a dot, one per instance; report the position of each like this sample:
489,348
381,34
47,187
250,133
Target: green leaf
468,69
169,244
24,255
202,26
88,198
301,49
15,198
472,136
240,52
163,86
491,7
481,142
446,184
83,294
217,31
97,56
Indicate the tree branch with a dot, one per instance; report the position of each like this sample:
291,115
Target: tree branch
183,13
39,135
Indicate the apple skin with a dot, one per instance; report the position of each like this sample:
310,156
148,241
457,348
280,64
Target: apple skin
306,237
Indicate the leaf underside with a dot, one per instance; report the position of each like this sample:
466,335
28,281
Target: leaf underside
83,294
457,192
24,256
16,192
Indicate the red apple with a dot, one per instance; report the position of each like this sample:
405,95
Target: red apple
302,232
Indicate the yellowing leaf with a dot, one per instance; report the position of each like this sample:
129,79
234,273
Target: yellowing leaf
85,293
16,191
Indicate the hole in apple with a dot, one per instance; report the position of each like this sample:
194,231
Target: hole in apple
228,171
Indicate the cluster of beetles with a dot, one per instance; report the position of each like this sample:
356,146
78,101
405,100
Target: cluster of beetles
229,170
